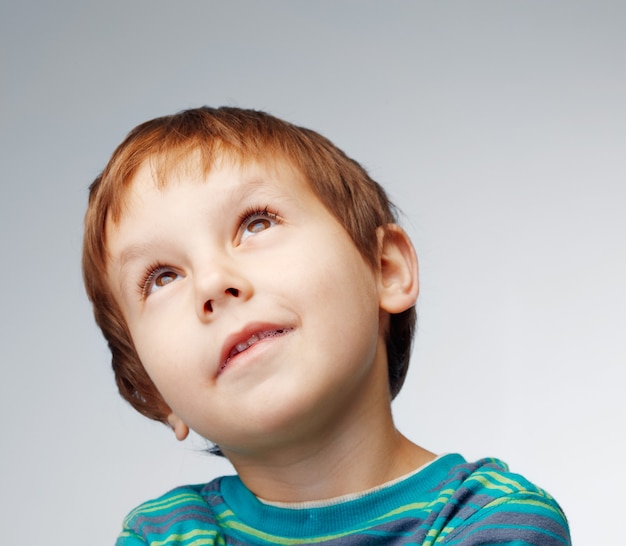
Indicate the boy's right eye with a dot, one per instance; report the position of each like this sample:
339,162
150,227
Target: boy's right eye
255,220
156,278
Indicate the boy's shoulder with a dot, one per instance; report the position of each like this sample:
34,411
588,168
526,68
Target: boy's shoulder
484,498
175,513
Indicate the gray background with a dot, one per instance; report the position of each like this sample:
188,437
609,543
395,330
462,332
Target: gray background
498,126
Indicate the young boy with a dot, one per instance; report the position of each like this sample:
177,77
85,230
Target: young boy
253,286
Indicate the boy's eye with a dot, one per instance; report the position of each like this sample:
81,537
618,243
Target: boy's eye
258,225
158,278
257,220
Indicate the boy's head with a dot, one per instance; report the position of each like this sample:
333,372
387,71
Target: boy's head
204,137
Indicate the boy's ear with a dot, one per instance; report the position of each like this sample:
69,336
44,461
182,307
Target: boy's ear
399,280
181,430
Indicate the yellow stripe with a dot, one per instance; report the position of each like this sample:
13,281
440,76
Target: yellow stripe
169,502
200,538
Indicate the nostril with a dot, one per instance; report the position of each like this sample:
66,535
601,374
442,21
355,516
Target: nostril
208,304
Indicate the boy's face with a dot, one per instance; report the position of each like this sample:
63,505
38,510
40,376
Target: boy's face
248,303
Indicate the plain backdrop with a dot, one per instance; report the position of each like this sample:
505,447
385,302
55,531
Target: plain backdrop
498,127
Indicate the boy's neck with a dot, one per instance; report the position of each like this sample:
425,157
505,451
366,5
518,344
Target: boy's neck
348,462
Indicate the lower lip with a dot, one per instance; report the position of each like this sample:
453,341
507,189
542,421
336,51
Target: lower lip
253,352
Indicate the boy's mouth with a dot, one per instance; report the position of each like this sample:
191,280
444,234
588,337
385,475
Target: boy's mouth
242,346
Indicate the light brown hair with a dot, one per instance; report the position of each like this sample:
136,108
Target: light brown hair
342,185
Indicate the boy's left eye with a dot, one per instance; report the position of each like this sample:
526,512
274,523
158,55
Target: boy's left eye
255,221
157,277
258,225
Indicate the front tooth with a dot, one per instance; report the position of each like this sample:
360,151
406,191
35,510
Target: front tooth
245,344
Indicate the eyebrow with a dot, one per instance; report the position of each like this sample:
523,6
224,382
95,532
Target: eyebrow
131,254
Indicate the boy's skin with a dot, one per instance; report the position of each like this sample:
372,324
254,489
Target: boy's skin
304,413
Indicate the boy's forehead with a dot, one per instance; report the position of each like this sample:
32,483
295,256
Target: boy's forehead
163,171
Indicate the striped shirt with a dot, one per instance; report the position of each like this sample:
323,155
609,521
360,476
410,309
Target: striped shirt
447,502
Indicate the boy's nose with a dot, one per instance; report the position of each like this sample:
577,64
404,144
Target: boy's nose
219,289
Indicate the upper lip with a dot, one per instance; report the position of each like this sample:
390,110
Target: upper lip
243,335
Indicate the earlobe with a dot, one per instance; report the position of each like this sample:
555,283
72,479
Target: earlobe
181,430
399,280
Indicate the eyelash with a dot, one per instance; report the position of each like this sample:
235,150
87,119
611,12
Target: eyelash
245,219
150,274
